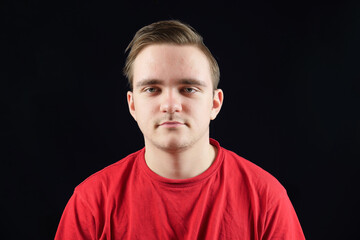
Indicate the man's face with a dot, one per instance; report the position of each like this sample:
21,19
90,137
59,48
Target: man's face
173,99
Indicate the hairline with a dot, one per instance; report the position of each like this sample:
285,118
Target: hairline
172,32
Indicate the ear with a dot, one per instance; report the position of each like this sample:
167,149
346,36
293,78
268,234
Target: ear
131,104
217,103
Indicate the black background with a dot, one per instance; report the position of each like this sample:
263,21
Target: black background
289,71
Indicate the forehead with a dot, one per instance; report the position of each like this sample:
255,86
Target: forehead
171,62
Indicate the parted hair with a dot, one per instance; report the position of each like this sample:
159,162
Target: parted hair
167,32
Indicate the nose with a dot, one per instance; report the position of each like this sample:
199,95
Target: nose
170,102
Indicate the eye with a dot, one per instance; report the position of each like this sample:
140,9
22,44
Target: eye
151,90
189,90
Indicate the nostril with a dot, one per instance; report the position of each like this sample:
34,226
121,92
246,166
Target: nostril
171,107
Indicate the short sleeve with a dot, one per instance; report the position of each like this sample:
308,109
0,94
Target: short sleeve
281,221
77,221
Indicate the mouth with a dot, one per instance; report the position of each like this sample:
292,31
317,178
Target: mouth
171,124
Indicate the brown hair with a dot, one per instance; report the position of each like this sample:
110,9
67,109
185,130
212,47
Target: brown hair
172,32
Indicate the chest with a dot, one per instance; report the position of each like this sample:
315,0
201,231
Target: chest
212,210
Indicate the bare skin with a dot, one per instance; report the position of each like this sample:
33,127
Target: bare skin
173,102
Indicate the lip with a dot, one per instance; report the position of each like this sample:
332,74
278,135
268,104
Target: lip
171,124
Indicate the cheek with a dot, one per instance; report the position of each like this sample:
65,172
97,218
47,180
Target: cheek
201,112
144,110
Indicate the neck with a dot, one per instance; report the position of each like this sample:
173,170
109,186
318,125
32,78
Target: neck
182,164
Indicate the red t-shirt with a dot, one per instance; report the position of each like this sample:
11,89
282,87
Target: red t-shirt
232,199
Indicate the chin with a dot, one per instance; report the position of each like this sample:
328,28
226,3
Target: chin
174,144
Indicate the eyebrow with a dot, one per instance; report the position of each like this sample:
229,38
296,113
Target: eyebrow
148,82
193,82
187,81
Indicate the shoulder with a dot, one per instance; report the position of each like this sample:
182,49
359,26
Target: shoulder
109,176
253,176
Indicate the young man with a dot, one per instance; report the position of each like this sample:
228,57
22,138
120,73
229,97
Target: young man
182,184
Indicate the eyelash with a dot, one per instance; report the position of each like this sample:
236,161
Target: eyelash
192,90
150,88
187,90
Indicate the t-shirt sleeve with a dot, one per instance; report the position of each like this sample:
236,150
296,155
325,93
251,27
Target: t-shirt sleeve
77,221
281,221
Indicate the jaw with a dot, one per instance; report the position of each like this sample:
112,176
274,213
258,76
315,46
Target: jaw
176,140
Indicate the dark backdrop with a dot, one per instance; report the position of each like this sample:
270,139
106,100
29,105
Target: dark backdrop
290,73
